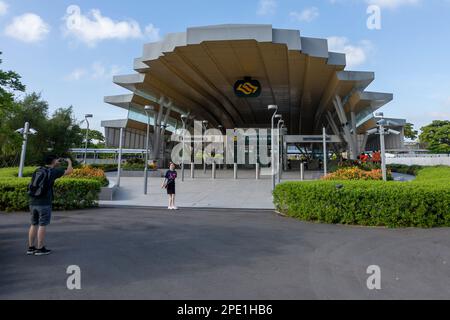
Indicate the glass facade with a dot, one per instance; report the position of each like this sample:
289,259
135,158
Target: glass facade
140,116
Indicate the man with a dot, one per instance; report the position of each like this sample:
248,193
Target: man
41,198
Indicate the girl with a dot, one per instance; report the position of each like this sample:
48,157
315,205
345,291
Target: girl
169,184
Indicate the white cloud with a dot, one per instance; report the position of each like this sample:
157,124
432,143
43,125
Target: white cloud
392,4
152,33
96,71
436,115
28,27
76,74
356,54
307,15
94,27
3,8
267,7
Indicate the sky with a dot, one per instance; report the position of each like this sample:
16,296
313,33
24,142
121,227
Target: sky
69,50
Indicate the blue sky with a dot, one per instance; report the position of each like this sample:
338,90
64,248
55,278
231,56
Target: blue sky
74,66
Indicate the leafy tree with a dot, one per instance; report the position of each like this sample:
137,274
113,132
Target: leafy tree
410,133
437,136
34,110
94,135
9,140
63,132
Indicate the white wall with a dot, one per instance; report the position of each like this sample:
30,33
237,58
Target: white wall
432,160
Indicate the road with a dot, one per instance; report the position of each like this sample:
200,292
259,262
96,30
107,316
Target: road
219,254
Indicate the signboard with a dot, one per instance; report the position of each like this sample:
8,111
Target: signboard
247,88
312,139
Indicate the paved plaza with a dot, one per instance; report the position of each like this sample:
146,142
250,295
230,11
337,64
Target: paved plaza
203,192
219,254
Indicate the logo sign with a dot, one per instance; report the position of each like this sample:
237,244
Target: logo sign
247,88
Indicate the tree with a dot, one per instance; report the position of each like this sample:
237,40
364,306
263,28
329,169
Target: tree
93,135
9,140
34,110
437,136
410,133
63,132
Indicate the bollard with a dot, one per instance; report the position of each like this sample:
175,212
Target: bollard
213,170
192,170
302,171
258,171
235,171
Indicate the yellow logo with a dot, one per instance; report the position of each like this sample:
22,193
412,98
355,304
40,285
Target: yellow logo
247,88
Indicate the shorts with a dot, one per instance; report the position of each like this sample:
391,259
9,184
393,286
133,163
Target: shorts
41,215
171,188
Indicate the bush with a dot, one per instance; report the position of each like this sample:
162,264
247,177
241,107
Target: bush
105,167
89,172
402,168
69,194
355,174
424,202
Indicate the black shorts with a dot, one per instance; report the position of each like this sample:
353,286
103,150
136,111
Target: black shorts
41,215
171,188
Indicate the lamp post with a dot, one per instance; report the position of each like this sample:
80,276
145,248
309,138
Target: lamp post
280,123
220,128
147,110
25,131
86,117
381,130
183,119
205,127
273,108
325,152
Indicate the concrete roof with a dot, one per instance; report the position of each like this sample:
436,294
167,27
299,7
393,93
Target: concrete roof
197,69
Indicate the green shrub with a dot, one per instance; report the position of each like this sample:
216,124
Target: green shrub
69,194
405,169
421,203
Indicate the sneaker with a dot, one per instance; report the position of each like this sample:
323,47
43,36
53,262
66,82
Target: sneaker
174,208
42,252
170,208
31,251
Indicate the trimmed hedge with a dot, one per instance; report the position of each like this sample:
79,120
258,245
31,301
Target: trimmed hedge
422,203
69,194
402,168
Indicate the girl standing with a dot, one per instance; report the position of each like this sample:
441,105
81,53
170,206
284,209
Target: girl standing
169,184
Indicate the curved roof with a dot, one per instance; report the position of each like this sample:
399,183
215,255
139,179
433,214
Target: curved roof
197,70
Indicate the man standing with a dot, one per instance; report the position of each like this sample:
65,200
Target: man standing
40,191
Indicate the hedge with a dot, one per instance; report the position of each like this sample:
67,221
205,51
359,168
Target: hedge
69,194
423,203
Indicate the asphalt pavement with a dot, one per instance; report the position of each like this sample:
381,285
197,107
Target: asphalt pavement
219,254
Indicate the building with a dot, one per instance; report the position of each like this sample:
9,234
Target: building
229,74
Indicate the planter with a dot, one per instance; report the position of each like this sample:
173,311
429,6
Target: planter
107,193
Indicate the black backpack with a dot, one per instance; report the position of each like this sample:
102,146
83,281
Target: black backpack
40,183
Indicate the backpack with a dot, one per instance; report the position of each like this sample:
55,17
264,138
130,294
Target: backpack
40,183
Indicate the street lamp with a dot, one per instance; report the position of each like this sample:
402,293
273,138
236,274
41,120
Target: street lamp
273,108
205,127
25,131
86,117
147,110
382,131
280,124
183,119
